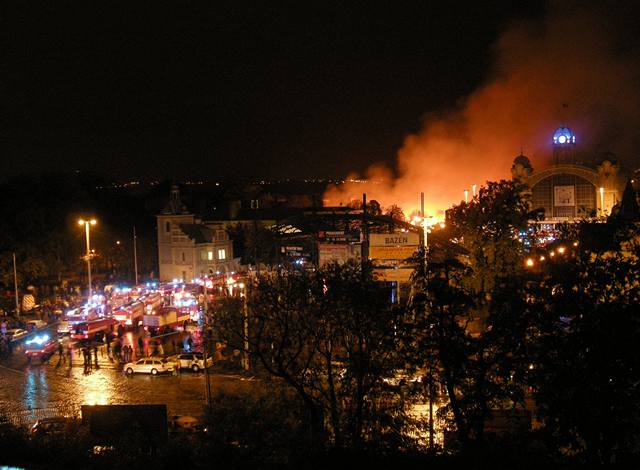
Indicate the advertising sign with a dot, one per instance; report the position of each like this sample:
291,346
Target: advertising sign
340,252
338,236
392,252
394,239
564,196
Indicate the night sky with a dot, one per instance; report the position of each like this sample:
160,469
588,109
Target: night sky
226,89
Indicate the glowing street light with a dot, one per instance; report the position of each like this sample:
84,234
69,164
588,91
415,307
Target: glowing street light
86,224
561,250
529,262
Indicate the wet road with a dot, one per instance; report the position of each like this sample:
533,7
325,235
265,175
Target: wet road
29,391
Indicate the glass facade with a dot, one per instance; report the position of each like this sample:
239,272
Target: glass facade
564,197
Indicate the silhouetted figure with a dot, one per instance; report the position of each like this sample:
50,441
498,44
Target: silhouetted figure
61,356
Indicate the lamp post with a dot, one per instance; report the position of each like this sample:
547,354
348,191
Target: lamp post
86,224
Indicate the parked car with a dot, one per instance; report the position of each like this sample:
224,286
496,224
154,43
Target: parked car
188,424
15,334
193,361
55,425
33,325
149,365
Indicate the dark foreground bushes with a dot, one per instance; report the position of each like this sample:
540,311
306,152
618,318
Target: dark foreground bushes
261,430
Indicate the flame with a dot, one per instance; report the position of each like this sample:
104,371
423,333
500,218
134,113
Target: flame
547,73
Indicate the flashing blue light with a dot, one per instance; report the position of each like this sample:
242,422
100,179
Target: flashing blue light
39,340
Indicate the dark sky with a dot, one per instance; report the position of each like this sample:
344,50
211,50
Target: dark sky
222,89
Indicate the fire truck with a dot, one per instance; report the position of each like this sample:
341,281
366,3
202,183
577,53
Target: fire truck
166,317
152,302
88,329
130,314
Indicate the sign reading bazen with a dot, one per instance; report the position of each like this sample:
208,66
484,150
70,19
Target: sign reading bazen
394,239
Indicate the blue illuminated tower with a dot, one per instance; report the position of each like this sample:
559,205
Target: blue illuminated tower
564,143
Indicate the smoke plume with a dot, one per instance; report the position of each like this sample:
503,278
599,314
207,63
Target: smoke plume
577,67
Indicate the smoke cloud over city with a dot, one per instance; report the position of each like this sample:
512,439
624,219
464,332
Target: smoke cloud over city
578,67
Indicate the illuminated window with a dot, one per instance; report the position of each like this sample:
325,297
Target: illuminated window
222,254
210,255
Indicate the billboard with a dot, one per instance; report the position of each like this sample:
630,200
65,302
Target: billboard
108,422
338,236
392,252
394,239
340,252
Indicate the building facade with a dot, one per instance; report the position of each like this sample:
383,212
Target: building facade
189,248
568,190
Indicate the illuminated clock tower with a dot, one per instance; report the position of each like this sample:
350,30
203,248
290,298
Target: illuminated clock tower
564,143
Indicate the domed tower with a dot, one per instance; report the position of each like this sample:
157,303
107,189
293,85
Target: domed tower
564,143
521,168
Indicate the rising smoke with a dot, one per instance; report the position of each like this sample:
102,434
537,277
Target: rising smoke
579,67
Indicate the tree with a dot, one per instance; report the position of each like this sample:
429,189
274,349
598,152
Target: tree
586,379
490,228
329,335
469,313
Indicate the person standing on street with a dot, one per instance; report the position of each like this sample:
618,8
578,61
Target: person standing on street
61,356
95,355
141,346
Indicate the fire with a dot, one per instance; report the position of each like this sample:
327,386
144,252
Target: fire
545,75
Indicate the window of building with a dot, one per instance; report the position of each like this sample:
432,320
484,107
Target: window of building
221,235
222,254
210,255
167,227
203,255
183,257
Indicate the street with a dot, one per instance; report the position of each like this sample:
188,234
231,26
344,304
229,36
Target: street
31,391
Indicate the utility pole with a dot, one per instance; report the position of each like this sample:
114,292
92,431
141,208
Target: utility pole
365,232
135,255
425,247
15,285
206,346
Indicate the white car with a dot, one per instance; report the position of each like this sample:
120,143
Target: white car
149,365
193,361
15,334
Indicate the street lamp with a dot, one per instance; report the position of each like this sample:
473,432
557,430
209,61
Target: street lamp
86,224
